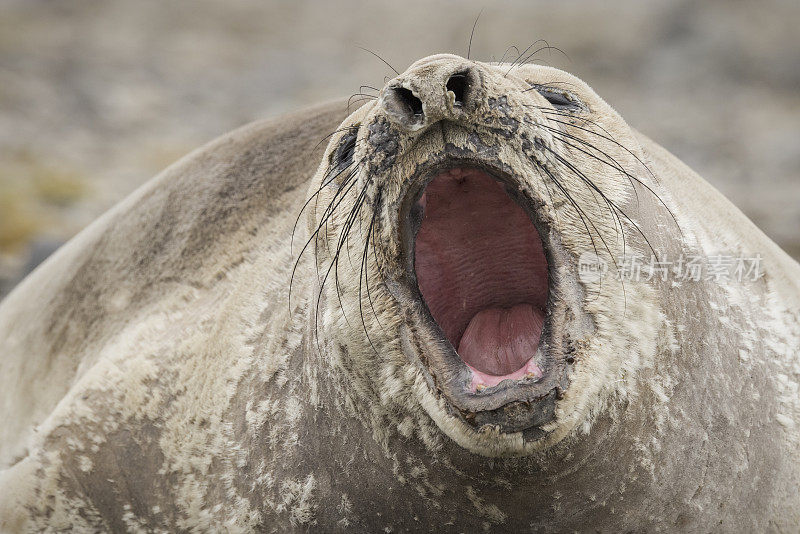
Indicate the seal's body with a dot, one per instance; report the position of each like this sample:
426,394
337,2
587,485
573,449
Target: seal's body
443,362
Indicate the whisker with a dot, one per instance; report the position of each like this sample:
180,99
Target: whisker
609,137
512,47
340,194
346,129
363,98
469,47
379,57
581,214
616,208
611,162
549,49
513,63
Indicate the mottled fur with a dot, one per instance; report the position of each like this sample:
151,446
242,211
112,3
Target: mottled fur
154,375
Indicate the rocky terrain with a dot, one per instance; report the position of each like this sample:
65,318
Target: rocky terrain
98,96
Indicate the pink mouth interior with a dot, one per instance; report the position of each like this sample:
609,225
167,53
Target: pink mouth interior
482,271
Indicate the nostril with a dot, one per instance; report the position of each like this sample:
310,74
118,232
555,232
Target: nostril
413,103
458,84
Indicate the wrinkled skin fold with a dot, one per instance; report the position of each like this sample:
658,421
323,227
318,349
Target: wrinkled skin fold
278,335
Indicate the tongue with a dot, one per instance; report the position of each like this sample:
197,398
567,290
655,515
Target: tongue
500,341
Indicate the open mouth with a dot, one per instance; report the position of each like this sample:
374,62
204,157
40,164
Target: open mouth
482,271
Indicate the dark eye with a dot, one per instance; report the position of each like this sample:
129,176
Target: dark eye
347,148
558,99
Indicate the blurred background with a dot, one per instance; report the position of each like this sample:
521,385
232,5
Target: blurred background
96,96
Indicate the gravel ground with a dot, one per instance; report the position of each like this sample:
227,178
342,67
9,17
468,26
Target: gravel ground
98,96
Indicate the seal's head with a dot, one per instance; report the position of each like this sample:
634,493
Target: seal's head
449,216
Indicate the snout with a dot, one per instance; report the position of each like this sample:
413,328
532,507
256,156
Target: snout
444,88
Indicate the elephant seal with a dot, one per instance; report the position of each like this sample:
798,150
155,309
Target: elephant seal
453,337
